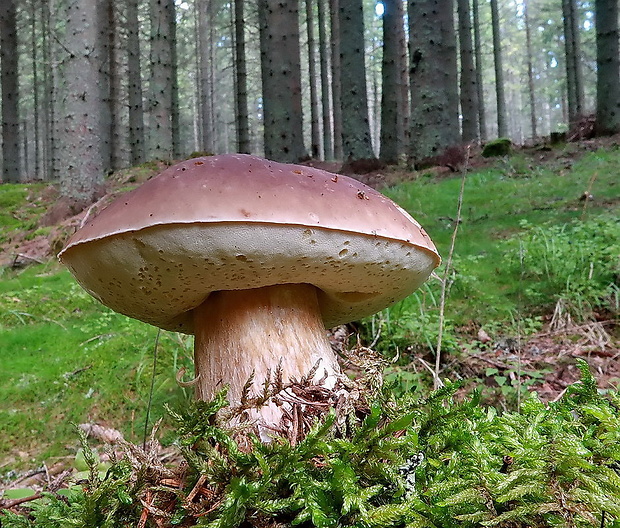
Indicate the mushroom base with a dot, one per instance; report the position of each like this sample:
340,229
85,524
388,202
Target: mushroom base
241,333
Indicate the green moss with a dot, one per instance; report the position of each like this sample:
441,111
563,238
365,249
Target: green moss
497,147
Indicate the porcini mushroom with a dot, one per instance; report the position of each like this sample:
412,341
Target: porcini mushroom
255,258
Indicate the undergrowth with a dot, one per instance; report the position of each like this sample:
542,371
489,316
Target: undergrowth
433,462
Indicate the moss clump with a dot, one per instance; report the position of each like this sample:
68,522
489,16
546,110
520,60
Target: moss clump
497,147
413,462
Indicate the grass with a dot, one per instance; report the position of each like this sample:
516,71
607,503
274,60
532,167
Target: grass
66,359
13,212
497,202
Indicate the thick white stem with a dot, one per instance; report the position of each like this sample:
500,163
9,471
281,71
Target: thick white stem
253,331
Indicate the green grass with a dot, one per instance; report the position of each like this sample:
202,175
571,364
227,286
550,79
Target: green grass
496,204
13,214
66,359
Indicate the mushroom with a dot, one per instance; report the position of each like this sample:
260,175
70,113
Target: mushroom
255,258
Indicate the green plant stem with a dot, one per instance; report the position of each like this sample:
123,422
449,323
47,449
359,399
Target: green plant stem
442,303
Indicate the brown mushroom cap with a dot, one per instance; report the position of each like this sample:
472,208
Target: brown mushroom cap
235,222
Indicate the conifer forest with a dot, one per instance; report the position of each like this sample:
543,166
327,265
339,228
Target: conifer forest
91,87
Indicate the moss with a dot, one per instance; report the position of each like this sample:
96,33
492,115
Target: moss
497,147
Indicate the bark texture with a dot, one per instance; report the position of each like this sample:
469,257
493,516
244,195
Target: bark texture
315,132
134,83
82,127
530,70
500,96
356,140
160,95
392,103
328,145
469,88
433,68
241,81
10,94
281,76
482,121
574,74
608,64
336,84
205,88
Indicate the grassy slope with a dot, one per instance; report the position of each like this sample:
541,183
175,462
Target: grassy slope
496,202
64,358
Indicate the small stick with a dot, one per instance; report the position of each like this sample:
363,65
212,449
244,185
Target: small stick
196,488
145,511
16,502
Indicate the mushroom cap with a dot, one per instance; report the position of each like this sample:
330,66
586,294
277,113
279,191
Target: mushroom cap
234,222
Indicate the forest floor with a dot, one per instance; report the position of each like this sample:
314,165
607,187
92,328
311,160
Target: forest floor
546,355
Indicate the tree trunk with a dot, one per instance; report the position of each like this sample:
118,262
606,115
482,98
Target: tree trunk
433,69
530,72
315,133
105,36
242,119
608,67
35,92
47,95
281,76
204,47
482,120
336,84
469,89
328,146
356,140
574,75
134,81
502,126
115,104
392,103
175,116
83,165
161,93
10,94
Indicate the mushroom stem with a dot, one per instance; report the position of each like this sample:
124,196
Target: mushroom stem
245,332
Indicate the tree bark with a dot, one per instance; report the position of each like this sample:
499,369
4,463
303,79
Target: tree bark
10,92
134,82
161,93
530,70
392,103
469,89
36,110
608,67
433,68
574,74
175,116
242,119
356,140
204,52
83,164
281,76
47,94
482,121
328,145
315,133
502,125
336,84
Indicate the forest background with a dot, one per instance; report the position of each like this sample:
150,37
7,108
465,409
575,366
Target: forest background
91,87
